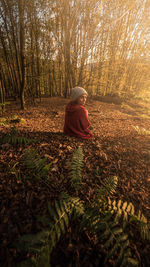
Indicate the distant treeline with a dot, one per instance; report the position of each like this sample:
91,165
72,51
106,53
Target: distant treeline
49,46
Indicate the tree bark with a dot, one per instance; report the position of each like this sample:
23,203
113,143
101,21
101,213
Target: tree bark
22,51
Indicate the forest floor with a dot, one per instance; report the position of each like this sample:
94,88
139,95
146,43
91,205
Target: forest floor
121,147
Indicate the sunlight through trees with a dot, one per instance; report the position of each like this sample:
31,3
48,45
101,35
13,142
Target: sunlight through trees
48,47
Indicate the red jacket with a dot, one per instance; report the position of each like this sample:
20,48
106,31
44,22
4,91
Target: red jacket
76,121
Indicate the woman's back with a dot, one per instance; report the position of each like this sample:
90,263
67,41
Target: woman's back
76,121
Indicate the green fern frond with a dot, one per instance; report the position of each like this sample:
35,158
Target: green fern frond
107,220
111,234
15,170
115,247
108,188
75,168
141,221
120,209
56,226
41,250
3,121
61,214
128,261
127,213
77,205
14,139
35,164
28,242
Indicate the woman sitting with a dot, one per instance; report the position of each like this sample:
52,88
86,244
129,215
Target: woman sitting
76,116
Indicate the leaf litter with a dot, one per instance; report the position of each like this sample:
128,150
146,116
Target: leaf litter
116,149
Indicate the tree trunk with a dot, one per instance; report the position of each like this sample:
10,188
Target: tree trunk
22,51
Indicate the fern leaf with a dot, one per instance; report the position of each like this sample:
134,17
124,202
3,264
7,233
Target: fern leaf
40,163
45,241
109,241
112,251
28,242
124,206
108,188
58,210
132,209
52,238
47,167
104,235
57,231
121,254
142,225
64,206
127,212
52,213
97,223
65,218
117,231
132,262
14,139
38,166
34,239
75,168
62,226
114,206
119,204
128,261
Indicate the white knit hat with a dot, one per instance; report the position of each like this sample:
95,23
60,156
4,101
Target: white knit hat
77,92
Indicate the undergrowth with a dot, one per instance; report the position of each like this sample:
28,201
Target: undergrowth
111,223
36,167
2,106
11,120
31,167
75,169
13,138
